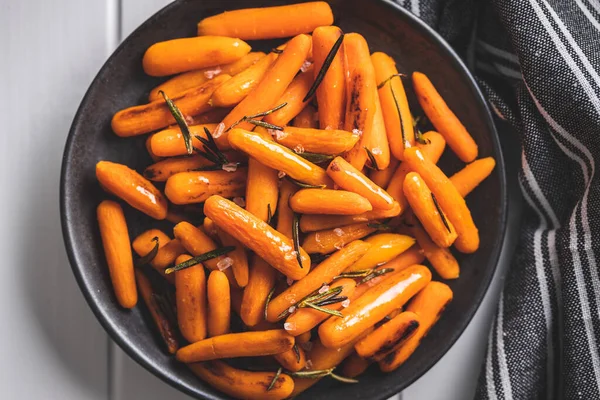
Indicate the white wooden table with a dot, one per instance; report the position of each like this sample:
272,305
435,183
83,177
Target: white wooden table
52,346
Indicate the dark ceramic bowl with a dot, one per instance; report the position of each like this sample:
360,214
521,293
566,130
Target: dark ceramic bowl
122,83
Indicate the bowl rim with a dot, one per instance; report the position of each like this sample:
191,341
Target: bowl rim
113,329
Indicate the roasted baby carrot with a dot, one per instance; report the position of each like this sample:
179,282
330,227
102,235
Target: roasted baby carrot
188,80
274,83
323,273
212,116
327,241
153,156
170,142
443,119
373,306
293,98
448,198
245,385
285,217
260,283
145,243
196,242
354,365
197,186
258,236
190,294
163,169
277,157
327,201
130,186
219,304
472,175
378,145
292,360
383,177
382,340
238,256
311,223
428,305
307,118
334,141
115,240
441,258
149,117
384,247
426,208
268,22
394,104
262,189
331,93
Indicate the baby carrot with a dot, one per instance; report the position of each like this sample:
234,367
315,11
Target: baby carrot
311,223
320,141
170,143
149,117
197,186
428,305
164,169
327,201
238,256
115,240
354,365
262,189
382,340
349,178
212,116
274,83
331,93
144,243
373,306
441,258
196,242
260,283
425,206
384,247
241,384
383,177
219,304
448,198
328,241
292,360
190,294
285,217
268,22
323,273
278,157
378,143
472,175
394,104
258,236
130,186
444,120
148,143
293,98
307,118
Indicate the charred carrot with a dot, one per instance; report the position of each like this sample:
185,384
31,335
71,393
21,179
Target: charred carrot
428,305
285,217
190,294
219,304
260,283
383,177
292,360
196,187
378,145
444,120
196,242
354,365
262,189
327,201
311,223
130,186
441,258
330,240
319,141
376,345
238,256
307,118
268,22
384,247
472,175
293,97
145,243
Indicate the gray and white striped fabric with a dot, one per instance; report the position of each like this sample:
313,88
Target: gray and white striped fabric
538,61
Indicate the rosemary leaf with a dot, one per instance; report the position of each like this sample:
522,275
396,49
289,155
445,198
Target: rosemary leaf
439,210
316,158
419,137
316,374
269,214
375,274
325,310
399,116
276,51
333,300
354,274
201,258
254,116
296,238
274,379
263,124
389,78
372,159
269,296
151,254
180,119
296,352
325,67
316,297
343,378
304,185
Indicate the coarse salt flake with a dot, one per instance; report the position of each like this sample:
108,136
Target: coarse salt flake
305,66
277,133
230,167
281,174
357,132
239,201
323,289
346,303
377,151
288,326
339,245
289,281
218,130
225,263
292,309
299,149
308,364
211,73
338,231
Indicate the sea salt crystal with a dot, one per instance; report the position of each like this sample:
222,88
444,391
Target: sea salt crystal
305,66
346,303
218,130
299,149
335,186
281,174
323,289
339,245
189,119
211,73
230,167
277,133
292,309
338,231
377,151
239,201
289,281
225,263
357,132
288,326
308,364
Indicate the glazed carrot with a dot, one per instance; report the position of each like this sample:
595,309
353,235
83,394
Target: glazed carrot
396,112
115,240
384,247
349,178
167,254
246,344
293,97
448,198
170,143
196,242
378,143
383,177
277,157
354,365
163,324
285,217
292,360
240,384
426,208
197,186
219,304
382,340
331,93
188,80
238,256
258,236
307,118
130,186
327,241
153,156
262,189
323,273
190,294
213,116
210,228
237,88
444,120
428,305
305,319
274,83
361,93
163,169
373,306
187,54
472,175
320,141
311,223
327,201
149,117
260,283
268,22
441,258
144,243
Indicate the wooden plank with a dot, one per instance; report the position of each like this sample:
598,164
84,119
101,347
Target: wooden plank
52,345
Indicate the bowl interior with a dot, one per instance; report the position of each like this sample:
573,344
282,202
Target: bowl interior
122,83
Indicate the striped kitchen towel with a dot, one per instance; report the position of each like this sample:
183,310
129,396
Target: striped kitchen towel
538,61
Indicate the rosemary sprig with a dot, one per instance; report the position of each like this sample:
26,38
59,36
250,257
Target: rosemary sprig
246,118
399,116
150,255
257,122
418,134
315,158
180,119
355,274
343,378
321,373
371,159
275,379
324,68
269,296
296,238
269,214
296,352
375,274
201,258
318,300
304,185
439,210
389,78
325,310
217,167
